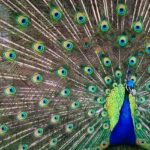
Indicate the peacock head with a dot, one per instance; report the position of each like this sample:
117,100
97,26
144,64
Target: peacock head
130,86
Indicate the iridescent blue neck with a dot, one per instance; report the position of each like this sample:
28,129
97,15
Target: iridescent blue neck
123,133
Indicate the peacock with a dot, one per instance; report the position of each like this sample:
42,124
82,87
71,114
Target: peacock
74,74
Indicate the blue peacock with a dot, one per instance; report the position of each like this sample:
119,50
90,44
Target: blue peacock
74,74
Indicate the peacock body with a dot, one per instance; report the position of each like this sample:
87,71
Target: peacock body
75,74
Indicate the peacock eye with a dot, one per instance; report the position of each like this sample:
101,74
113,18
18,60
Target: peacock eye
44,102
55,14
137,113
75,105
65,93
104,26
141,142
122,40
91,112
55,119
147,48
9,55
37,78
90,130
138,27
106,126
132,61
68,46
62,72
39,47
104,113
138,126
148,86
141,100
80,18
115,84
88,70
10,90
23,21
107,62
3,129
100,100
108,80
69,128
38,132
107,91
118,74
53,142
23,147
133,78
104,144
121,10
21,116
92,89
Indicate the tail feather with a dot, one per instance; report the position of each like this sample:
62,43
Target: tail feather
60,65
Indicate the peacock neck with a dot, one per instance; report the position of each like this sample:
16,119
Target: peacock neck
123,133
